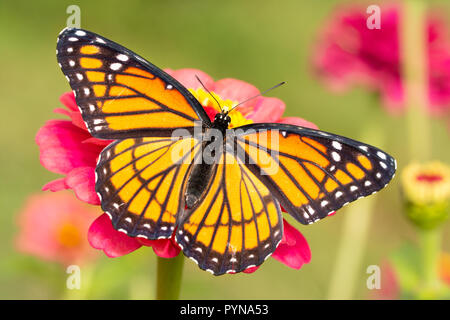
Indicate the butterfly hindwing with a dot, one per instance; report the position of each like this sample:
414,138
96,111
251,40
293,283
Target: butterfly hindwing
121,95
313,173
140,183
236,225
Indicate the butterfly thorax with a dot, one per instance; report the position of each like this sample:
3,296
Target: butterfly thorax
221,122
201,173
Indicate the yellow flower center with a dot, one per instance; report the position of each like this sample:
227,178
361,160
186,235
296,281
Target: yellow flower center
69,235
237,118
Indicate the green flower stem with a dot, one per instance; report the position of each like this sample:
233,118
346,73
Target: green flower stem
169,273
430,246
414,57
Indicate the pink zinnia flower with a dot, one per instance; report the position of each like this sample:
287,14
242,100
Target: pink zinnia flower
66,147
54,226
350,53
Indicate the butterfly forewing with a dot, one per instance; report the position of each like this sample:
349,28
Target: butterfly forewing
315,172
120,95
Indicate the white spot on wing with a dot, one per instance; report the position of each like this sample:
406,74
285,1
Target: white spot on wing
364,148
336,145
115,66
122,57
381,155
336,156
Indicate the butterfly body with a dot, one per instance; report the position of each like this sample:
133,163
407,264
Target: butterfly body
201,173
220,192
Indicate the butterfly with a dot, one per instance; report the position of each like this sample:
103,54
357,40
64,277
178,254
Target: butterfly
225,213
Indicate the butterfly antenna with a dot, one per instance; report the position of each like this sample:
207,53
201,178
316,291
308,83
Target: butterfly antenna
259,94
204,87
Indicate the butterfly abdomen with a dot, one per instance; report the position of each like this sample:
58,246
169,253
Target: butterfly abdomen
201,173
198,182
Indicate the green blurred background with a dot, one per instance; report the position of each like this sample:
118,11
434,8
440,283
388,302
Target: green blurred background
261,42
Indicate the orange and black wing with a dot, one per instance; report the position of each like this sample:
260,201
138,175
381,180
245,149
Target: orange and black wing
121,95
236,225
312,173
140,183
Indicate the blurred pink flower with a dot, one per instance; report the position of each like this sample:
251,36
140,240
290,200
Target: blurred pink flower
349,53
54,227
389,286
66,147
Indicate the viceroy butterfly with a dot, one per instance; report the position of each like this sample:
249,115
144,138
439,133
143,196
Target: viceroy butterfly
226,214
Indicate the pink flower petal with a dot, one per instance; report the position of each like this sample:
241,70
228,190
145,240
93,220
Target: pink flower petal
237,90
298,122
61,147
114,243
82,181
56,185
98,142
62,111
164,248
293,249
267,110
187,78
68,99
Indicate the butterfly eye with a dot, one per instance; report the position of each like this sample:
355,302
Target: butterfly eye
228,119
